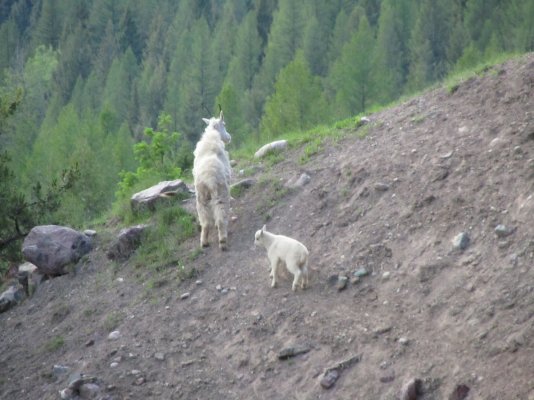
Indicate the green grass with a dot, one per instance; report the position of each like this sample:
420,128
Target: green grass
54,344
112,321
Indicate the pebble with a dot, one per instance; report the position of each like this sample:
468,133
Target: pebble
114,335
89,343
218,287
502,231
360,272
404,341
341,282
411,389
386,275
330,378
159,356
114,364
185,296
198,283
461,241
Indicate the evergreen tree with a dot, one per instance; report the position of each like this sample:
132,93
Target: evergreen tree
297,102
429,43
48,27
391,53
198,89
351,75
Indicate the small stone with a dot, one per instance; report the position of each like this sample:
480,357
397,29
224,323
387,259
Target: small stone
218,287
224,291
461,241
60,370
114,335
502,231
361,272
135,372
89,232
89,391
159,356
185,296
386,275
198,283
292,351
66,393
381,187
404,341
460,392
411,389
355,280
139,381
89,343
341,282
330,378
114,364
383,329
387,378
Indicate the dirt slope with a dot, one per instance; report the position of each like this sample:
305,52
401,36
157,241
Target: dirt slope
429,169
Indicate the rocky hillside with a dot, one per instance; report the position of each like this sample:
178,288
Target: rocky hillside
421,239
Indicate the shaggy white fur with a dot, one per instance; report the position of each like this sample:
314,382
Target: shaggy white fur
211,173
285,250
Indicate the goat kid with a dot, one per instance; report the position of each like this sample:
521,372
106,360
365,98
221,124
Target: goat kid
283,250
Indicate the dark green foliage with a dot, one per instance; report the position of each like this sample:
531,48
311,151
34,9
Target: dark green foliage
95,74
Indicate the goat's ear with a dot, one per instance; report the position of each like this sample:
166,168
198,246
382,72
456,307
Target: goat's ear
263,228
221,116
207,121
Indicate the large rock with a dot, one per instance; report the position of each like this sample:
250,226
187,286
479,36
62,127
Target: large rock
11,297
127,242
150,197
51,248
270,147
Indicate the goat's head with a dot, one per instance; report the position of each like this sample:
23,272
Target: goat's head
218,125
258,236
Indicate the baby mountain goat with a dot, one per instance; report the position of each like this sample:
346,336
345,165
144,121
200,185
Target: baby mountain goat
211,174
284,250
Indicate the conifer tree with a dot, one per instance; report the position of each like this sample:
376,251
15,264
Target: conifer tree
297,102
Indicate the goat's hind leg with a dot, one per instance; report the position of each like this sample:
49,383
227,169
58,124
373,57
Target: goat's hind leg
205,220
220,211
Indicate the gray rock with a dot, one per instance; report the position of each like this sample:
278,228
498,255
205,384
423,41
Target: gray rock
342,282
78,379
411,389
461,241
381,187
59,370
502,231
51,248
11,297
89,391
127,242
293,351
329,378
276,146
244,183
149,198
299,182
361,272
460,392
114,335
159,356
90,232
185,296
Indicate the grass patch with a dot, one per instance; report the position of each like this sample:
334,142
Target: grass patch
112,321
274,191
54,344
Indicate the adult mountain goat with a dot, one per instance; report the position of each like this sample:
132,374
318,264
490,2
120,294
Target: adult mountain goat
211,174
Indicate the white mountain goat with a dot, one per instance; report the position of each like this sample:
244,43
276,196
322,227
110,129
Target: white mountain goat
285,250
211,174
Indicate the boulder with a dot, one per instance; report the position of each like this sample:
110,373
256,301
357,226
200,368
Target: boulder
51,248
127,242
150,197
278,145
11,297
